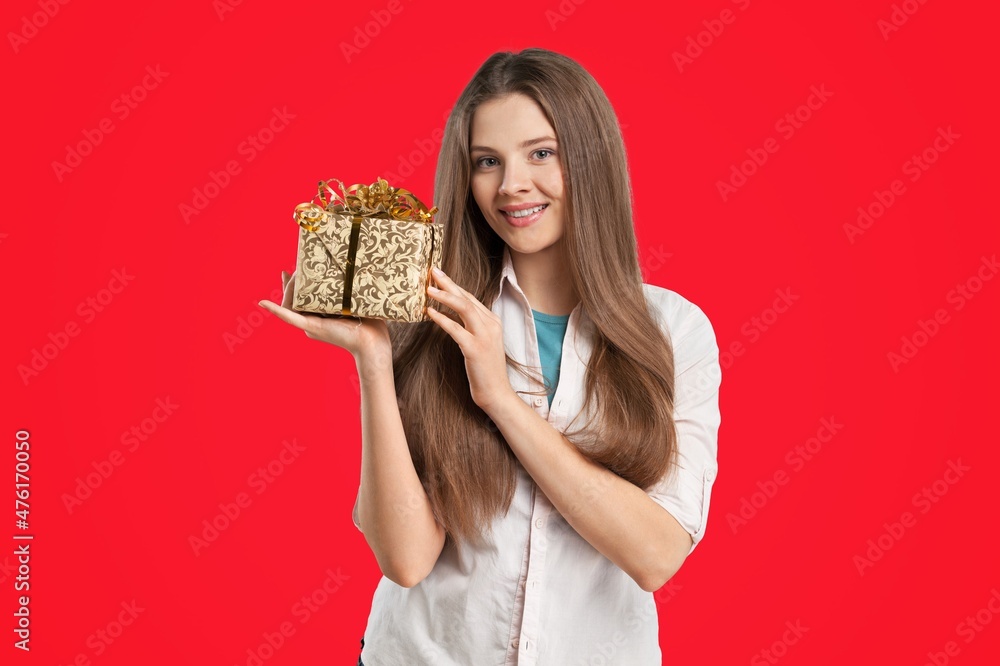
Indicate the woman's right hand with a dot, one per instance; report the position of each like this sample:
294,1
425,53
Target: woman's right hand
358,335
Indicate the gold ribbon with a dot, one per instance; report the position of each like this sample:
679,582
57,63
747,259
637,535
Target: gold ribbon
376,200
359,201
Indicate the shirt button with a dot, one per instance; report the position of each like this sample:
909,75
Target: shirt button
710,474
539,523
513,643
538,402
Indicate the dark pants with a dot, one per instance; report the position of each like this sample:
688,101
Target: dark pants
361,663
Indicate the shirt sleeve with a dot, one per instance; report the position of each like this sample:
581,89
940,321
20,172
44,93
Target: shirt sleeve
685,490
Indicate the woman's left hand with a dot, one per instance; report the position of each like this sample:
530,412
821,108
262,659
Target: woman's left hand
480,339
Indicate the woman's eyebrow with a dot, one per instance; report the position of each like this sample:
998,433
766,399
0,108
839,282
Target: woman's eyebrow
523,144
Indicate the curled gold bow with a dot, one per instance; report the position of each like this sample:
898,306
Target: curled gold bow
376,200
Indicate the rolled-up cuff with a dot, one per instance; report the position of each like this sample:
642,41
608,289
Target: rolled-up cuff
687,500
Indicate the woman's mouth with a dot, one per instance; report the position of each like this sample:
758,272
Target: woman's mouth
523,218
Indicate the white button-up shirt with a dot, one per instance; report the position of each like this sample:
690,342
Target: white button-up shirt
538,593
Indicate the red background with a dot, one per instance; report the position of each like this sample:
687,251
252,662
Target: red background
168,333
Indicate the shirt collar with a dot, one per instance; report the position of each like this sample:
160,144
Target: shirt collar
507,275
582,323
507,272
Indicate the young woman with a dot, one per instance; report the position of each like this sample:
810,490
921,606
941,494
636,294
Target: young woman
537,459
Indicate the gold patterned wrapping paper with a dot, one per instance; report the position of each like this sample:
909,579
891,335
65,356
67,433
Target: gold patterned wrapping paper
366,252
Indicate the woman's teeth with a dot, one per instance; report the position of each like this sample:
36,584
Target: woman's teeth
526,211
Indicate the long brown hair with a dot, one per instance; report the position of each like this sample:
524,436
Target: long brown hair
464,463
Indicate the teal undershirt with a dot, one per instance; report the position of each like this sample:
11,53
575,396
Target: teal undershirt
550,330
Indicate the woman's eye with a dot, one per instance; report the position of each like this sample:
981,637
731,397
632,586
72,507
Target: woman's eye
482,159
543,150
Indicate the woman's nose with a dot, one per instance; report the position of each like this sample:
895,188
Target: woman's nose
514,180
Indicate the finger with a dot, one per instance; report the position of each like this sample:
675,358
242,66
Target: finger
447,284
450,286
472,317
458,332
288,292
288,316
284,279
455,301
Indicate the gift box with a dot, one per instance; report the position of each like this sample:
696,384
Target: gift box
365,252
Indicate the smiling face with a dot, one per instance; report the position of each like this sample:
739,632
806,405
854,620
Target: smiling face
515,169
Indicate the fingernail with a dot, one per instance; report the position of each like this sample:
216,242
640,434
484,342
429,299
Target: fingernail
261,304
437,271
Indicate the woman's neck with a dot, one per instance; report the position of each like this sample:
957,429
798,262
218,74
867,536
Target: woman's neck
544,278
